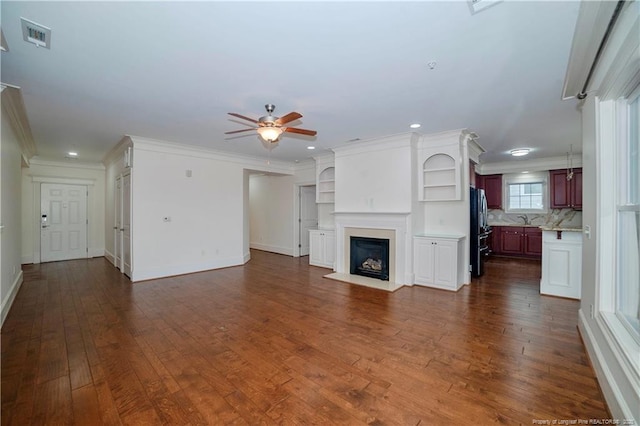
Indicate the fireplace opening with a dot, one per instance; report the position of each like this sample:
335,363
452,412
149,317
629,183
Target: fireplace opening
370,257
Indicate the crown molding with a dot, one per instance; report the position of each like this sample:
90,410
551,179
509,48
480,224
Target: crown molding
13,106
536,165
248,162
37,161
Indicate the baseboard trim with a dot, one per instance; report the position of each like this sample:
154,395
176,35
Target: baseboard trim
11,296
273,249
247,257
142,274
610,389
97,252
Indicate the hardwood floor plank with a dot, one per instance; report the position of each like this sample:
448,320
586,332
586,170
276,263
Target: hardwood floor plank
273,342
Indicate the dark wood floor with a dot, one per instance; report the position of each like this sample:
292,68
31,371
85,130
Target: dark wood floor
274,342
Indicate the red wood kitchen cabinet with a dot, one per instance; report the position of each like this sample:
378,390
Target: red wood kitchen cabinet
517,241
511,240
565,193
533,242
492,185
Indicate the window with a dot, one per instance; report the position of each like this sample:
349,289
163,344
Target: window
525,196
526,192
627,286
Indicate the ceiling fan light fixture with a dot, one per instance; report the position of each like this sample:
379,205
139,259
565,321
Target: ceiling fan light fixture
269,133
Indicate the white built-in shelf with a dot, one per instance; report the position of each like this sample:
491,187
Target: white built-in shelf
326,185
440,178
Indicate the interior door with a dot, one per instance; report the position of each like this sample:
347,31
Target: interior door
63,222
117,226
308,216
126,224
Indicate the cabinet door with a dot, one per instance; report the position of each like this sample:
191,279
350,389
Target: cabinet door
511,240
560,196
493,191
576,189
329,249
494,240
533,241
316,249
445,264
423,257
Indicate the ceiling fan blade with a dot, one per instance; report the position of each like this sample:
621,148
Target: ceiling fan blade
242,116
238,131
301,131
287,118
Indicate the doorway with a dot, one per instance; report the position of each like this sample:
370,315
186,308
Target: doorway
308,218
63,222
122,225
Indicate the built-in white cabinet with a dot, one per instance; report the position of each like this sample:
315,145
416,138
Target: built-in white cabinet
440,171
561,264
435,261
322,248
325,180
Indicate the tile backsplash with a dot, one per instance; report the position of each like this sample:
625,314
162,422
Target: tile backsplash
555,217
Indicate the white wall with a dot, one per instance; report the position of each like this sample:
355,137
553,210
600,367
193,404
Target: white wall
375,176
620,385
10,216
92,175
274,209
272,213
205,211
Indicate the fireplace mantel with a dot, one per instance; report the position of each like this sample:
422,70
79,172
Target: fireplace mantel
397,222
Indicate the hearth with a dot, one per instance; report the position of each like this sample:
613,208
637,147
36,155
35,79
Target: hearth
369,257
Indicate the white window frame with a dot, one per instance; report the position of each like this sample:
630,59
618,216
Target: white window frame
612,126
519,178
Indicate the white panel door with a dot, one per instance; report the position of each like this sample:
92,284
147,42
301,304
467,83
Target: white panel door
308,216
63,222
117,226
126,224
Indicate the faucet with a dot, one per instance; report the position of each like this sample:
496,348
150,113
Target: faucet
525,219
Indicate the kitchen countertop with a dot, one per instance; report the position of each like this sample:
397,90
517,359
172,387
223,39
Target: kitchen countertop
560,228
519,225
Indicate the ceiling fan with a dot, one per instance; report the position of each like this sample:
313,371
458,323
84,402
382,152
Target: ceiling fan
270,127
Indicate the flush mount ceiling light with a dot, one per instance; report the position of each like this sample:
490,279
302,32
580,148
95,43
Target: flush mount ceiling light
270,127
519,152
72,154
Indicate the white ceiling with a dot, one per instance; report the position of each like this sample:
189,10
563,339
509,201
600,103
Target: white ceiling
172,70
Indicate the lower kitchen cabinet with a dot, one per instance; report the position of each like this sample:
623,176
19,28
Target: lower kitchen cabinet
562,264
322,248
435,261
517,241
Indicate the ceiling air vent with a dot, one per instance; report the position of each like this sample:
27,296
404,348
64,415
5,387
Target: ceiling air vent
36,33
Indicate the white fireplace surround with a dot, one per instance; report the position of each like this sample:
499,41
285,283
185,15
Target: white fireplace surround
371,223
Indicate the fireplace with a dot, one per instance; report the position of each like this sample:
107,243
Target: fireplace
369,257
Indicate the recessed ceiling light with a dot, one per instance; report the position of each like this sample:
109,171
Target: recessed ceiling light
415,125
72,154
526,171
519,152
311,147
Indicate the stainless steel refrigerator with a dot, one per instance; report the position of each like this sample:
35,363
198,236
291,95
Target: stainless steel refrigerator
479,232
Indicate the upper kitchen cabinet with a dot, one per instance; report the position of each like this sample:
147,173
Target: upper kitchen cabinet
565,193
492,185
325,179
